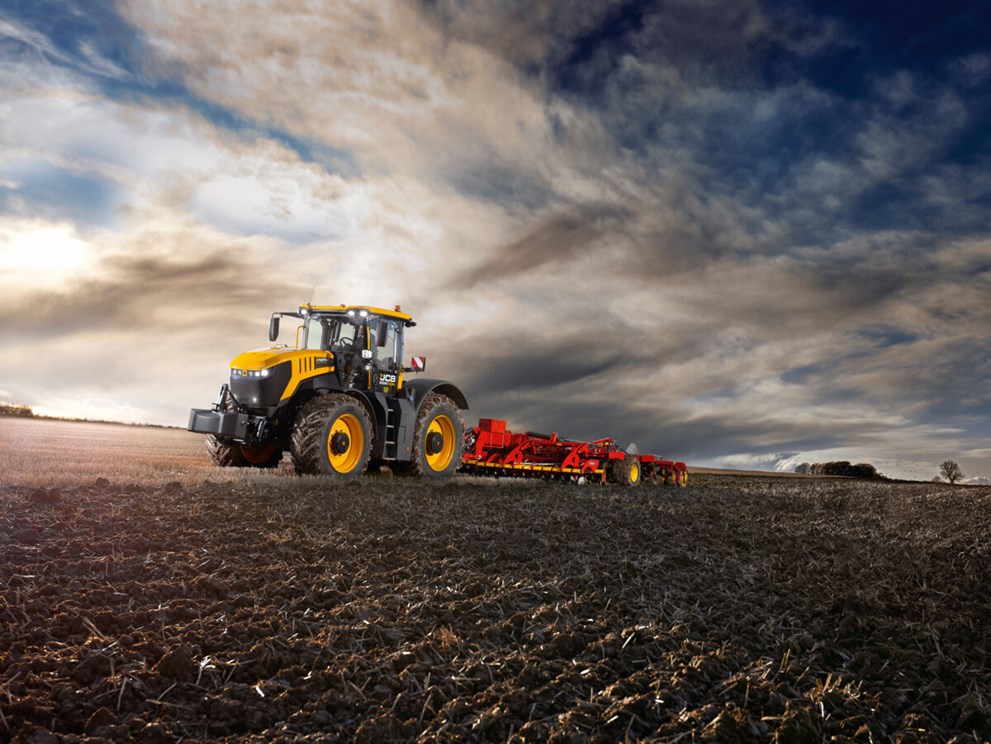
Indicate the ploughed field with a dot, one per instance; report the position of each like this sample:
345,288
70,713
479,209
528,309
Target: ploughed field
151,601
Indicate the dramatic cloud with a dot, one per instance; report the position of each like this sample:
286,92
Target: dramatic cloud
738,233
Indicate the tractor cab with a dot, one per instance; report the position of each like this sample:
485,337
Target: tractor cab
366,343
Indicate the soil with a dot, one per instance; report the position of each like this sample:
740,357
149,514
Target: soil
394,609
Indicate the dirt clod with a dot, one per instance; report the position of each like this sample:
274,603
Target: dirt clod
101,718
45,496
177,663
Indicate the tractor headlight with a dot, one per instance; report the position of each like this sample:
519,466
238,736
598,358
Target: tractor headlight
251,373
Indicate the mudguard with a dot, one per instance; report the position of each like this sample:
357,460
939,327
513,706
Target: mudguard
417,390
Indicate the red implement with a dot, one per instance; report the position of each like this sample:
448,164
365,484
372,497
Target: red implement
491,450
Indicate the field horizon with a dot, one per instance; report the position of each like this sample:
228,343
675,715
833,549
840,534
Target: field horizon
193,447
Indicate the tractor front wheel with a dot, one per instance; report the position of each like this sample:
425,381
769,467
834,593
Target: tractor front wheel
438,437
266,456
225,454
332,436
233,455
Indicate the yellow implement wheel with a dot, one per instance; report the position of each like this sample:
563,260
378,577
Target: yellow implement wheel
683,480
345,443
625,472
438,437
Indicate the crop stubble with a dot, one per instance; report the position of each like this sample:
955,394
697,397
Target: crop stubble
393,609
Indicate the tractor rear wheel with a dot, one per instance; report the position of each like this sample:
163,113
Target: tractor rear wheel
438,437
332,436
625,472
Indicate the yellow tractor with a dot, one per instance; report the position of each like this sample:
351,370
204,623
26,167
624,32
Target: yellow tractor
337,400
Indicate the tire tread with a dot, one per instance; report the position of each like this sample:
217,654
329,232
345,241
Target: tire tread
225,454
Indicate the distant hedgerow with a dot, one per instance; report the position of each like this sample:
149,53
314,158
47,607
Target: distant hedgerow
861,470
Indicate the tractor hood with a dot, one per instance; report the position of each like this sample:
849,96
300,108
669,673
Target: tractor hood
263,377
265,358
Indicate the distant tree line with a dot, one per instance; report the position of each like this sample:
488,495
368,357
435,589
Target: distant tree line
843,467
16,409
13,409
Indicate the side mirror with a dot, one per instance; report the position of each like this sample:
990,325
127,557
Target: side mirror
273,328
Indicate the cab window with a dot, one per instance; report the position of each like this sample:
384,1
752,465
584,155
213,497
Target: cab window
325,333
346,335
384,343
315,334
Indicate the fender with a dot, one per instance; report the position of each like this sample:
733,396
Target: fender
417,390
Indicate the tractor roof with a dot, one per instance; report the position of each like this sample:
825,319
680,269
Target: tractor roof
316,309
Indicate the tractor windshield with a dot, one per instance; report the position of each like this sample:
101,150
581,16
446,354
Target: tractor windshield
332,331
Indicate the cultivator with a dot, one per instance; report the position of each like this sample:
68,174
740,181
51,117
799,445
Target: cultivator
491,450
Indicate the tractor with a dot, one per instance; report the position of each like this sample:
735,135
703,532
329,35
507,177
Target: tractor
338,400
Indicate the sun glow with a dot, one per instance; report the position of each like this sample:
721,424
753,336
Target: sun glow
41,254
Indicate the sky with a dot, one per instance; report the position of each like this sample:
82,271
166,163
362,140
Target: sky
740,234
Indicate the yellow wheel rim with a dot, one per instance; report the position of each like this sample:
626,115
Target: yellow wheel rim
684,479
635,473
441,459
343,458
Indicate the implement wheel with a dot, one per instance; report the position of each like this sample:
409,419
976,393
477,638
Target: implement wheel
625,472
332,436
438,438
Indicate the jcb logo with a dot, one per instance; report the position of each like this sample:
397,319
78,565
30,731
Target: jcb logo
387,379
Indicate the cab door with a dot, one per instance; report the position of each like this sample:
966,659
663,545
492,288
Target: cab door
386,337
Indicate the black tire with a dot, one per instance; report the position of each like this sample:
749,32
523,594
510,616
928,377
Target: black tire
234,455
332,436
438,438
265,457
225,454
626,472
